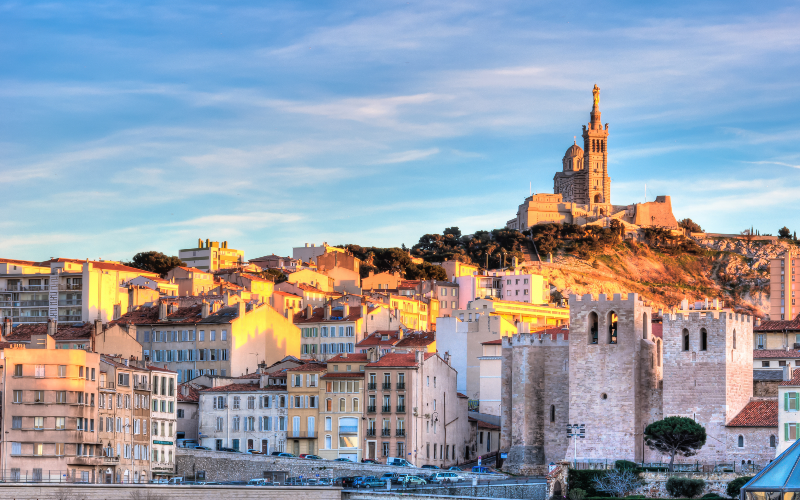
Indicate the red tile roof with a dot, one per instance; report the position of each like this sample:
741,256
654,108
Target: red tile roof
21,262
192,397
194,270
779,325
23,332
149,316
354,357
395,360
493,342
376,339
461,395
309,367
775,353
113,266
243,388
254,375
294,295
417,339
158,369
336,315
344,375
762,413
795,381
487,426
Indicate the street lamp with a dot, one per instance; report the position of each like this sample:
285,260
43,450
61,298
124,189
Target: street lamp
577,431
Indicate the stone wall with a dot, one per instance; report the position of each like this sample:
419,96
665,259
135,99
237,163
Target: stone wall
224,466
655,482
167,492
534,491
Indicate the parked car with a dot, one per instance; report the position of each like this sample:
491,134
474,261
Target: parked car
369,461
202,448
175,480
286,455
229,450
324,481
308,456
413,481
399,462
457,469
259,482
483,469
344,481
428,466
342,459
395,477
446,477
187,443
369,482
255,452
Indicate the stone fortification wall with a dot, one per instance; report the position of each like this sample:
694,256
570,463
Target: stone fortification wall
535,394
656,213
126,491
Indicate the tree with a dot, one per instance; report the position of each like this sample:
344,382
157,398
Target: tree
734,486
784,232
273,275
617,482
155,262
675,435
690,226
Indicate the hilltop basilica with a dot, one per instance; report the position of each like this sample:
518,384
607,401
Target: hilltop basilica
582,190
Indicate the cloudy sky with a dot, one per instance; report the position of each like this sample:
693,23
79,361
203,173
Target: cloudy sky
130,126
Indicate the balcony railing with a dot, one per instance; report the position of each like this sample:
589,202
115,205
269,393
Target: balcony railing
111,460
400,433
71,302
386,432
29,288
370,432
30,319
105,385
68,318
31,303
401,409
348,429
142,386
386,409
71,287
387,386
370,409
372,386
301,434
401,386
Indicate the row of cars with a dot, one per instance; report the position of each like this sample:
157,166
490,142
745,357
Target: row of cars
404,480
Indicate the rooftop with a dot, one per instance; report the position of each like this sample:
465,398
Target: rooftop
417,339
760,413
243,388
775,353
779,325
64,331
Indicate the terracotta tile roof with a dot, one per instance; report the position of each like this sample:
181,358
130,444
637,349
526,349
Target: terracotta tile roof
344,375
428,355
775,353
158,369
113,266
309,367
417,339
278,373
193,395
20,262
762,413
395,360
336,315
795,381
294,295
462,396
254,375
487,426
149,316
779,325
353,357
493,342
243,388
111,361
376,339
23,332
193,270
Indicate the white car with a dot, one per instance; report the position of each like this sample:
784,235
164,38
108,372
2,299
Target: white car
445,477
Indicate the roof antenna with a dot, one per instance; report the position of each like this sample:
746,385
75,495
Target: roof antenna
530,188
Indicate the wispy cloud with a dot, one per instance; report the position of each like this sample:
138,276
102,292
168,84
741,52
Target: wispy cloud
406,156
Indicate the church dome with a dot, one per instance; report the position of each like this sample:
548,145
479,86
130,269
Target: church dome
573,151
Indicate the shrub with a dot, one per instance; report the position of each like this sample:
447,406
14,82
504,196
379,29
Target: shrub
577,494
584,480
711,495
736,485
618,482
681,487
624,464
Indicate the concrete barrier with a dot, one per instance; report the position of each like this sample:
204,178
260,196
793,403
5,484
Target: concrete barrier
161,492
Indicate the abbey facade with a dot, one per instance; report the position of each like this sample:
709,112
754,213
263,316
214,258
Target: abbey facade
582,190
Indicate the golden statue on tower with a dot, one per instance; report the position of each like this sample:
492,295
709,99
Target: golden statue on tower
596,94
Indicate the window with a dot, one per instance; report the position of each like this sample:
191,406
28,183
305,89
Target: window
593,328
38,423
39,371
765,364
772,441
236,401
612,327
703,339
16,422
791,401
251,402
685,339
220,424
17,370
740,442
552,413
62,371
38,397
180,413
342,403
60,423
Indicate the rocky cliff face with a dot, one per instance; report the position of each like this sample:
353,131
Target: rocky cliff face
733,270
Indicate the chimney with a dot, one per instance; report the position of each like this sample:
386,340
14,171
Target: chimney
344,354
6,328
684,305
661,312
364,311
418,356
242,309
372,354
758,322
52,327
206,309
98,327
162,311
787,373
447,357
716,303
327,315
345,310
309,311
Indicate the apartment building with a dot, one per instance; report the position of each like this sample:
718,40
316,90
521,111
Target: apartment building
382,281
303,384
65,290
415,313
784,277
313,278
311,295
192,281
503,285
276,262
212,338
163,418
342,397
93,337
260,289
123,417
413,410
328,331
49,397
211,255
384,341
777,335
490,369
188,414
456,269
309,252
788,410
287,304
244,416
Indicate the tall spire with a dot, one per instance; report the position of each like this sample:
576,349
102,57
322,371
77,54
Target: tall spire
595,114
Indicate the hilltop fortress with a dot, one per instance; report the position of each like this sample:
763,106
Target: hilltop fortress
582,190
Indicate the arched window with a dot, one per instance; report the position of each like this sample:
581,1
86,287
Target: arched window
552,413
355,405
328,404
593,328
342,404
772,442
645,326
741,441
328,442
703,339
734,339
597,198
612,327
685,339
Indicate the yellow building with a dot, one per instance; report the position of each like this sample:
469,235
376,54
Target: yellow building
342,407
381,281
211,255
303,384
456,269
515,312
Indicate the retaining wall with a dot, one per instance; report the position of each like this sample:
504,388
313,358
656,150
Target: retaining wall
535,491
161,492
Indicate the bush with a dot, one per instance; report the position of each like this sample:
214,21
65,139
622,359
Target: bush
681,487
577,494
736,485
710,495
584,480
625,464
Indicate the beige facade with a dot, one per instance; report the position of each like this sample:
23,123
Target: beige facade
303,384
210,256
328,331
192,281
313,278
381,281
784,283
342,408
456,269
491,367
287,304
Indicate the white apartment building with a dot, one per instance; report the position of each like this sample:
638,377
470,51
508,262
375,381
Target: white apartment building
164,421
504,285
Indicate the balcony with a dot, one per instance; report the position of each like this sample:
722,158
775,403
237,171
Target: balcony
370,409
348,429
372,386
106,385
29,288
387,386
71,287
142,386
400,433
83,460
370,432
30,319
401,409
68,319
386,433
110,460
71,302
301,434
386,409
31,303
401,386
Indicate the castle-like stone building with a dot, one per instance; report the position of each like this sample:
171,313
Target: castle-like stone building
616,371
582,190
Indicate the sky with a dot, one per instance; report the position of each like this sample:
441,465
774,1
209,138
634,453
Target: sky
132,126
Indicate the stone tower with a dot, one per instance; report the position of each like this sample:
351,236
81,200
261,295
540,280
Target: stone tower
535,405
708,370
615,375
596,187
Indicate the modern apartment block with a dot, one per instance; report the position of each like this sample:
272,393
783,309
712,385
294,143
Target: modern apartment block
784,278
65,290
504,285
210,256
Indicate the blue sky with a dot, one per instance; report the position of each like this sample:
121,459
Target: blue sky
130,126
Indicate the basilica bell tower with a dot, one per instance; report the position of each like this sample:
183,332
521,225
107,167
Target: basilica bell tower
595,157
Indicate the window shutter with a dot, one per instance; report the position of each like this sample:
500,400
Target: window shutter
786,403
785,432
796,400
